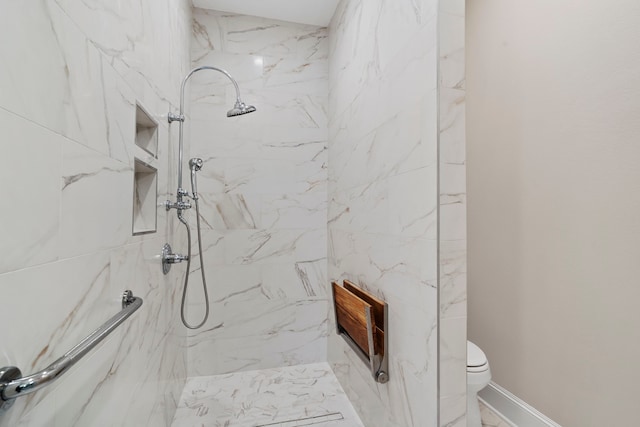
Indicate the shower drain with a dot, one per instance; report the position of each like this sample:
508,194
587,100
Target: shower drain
306,421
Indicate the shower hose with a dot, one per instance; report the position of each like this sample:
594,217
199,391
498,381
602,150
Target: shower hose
186,276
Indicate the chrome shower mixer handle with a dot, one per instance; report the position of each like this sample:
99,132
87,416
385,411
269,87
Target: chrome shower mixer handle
180,205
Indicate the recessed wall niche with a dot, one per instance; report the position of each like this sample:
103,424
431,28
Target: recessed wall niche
145,196
146,131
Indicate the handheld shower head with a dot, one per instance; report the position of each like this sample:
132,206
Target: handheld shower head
195,165
240,108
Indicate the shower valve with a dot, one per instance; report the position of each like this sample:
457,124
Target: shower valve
169,258
175,258
177,205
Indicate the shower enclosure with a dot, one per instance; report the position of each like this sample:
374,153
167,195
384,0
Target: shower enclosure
320,186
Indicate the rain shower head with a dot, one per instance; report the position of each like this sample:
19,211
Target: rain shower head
240,108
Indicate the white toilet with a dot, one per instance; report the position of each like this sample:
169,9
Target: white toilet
478,377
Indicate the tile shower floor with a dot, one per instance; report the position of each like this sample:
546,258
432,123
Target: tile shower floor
305,395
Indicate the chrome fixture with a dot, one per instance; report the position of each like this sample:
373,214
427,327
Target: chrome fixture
180,205
13,385
168,258
195,164
240,108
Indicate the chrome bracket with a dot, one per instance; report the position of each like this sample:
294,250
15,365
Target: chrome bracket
171,117
127,298
7,374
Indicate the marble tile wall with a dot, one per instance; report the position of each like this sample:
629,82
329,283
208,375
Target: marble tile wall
70,78
263,193
452,219
383,197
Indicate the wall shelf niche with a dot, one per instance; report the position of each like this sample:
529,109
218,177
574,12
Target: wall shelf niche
146,131
145,196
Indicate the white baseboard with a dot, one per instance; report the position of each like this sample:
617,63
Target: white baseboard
513,409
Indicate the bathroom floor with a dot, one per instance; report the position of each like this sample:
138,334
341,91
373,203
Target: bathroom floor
305,395
490,418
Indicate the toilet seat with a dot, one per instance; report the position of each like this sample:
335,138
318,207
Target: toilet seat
475,358
478,376
477,369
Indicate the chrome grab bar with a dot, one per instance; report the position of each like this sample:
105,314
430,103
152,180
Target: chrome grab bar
13,386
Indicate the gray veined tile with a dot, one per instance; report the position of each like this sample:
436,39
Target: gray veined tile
293,396
94,220
30,230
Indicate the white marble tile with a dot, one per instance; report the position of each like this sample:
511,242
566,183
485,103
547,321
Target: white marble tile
453,279
265,246
240,317
97,201
300,146
246,69
364,208
31,166
213,140
412,216
452,221
270,283
70,100
258,352
228,283
453,411
120,116
389,206
224,211
299,75
266,397
294,210
490,418
372,95
304,279
251,35
253,175
260,246
452,45
370,258
144,41
397,145
453,356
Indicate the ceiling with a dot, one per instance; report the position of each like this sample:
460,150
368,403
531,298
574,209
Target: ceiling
313,12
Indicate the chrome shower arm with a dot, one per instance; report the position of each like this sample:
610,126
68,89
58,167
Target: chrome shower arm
206,67
180,116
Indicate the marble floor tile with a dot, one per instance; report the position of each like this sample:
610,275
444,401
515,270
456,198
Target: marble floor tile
490,418
304,395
